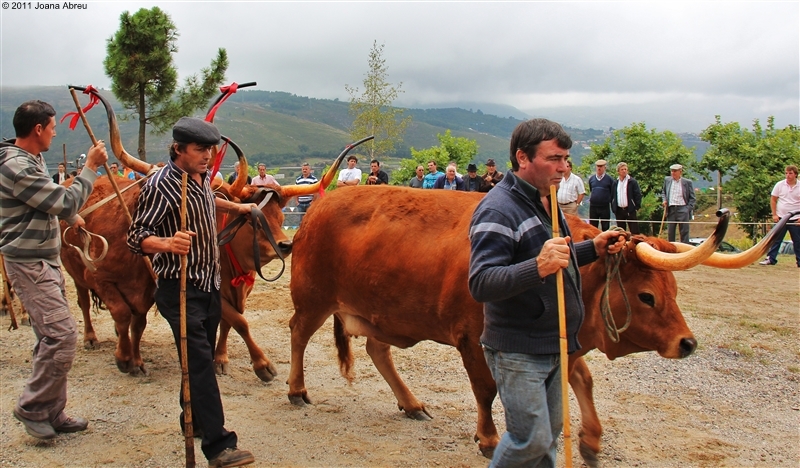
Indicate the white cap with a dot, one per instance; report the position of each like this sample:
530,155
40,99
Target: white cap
675,167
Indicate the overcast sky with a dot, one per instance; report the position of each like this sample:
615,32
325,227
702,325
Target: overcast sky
685,60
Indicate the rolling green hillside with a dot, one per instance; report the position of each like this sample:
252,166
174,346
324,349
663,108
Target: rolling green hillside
277,128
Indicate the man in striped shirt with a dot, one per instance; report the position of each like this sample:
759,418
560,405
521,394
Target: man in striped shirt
156,230
30,241
305,178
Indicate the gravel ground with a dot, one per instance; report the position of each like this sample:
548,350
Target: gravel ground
733,403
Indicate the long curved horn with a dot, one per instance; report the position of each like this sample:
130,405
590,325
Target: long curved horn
225,93
741,259
241,177
658,260
116,142
296,190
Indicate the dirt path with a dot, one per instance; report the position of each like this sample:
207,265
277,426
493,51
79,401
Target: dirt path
735,402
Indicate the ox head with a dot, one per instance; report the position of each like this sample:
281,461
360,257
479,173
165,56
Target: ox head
648,288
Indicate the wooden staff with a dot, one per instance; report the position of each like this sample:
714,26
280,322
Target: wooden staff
64,148
663,217
188,429
562,335
7,295
110,178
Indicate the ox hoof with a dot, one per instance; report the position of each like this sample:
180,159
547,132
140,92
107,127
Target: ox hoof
126,367
419,415
268,374
221,368
589,456
487,451
91,344
299,400
138,371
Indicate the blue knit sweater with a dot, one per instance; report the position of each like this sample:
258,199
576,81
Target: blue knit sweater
507,232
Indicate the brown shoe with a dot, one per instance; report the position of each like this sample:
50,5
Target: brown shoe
75,424
231,457
38,429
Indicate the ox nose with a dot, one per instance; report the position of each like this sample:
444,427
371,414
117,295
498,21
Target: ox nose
286,248
687,346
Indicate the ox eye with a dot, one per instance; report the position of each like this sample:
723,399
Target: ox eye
647,299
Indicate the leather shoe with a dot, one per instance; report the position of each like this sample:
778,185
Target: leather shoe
231,457
75,424
38,429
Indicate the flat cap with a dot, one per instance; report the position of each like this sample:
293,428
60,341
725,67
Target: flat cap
490,162
675,167
472,168
194,130
600,162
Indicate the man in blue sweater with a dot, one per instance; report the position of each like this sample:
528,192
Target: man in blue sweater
512,264
600,199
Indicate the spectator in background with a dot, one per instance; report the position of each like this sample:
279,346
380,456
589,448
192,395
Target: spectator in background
376,176
431,176
61,176
455,164
449,181
678,196
263,179
492,176
235,174
350,176
785,199
626,199
114,169
416,181
473,183
600,198
305,178
570,192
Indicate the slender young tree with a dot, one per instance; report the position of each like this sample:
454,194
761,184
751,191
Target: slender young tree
143,74
372,109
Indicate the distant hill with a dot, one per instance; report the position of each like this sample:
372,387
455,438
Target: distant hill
279,128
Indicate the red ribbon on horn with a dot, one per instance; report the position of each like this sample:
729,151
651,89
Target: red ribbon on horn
220,157
93,99
227,91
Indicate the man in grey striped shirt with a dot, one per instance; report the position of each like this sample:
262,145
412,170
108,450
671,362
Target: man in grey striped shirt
156,230
30,241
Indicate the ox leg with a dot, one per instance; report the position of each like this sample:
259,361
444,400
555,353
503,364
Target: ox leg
138,324
381,354
303,326
580,378
221,362
121,313
262,366
89,336
485,391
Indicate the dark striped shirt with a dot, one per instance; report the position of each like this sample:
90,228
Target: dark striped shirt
305,181
159,214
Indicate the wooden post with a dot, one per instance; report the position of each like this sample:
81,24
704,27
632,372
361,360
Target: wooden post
110,177
188,429
562,337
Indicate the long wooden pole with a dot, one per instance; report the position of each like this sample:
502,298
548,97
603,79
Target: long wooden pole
188,429
562,335
7,295
663,217
110,177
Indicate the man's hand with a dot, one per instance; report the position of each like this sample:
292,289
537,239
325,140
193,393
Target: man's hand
179,243
96,156
553,256
611,242
245,208
79,222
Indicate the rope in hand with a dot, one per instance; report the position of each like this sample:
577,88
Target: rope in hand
612,272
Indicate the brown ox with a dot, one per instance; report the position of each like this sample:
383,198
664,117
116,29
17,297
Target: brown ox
123,282
421,276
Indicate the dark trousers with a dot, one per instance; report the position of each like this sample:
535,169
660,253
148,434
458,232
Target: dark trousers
203,313
676,214
794,233
600,212
623,216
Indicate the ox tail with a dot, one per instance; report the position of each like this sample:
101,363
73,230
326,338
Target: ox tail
344,352
97,302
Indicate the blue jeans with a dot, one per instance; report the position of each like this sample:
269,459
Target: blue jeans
794,233
530,390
